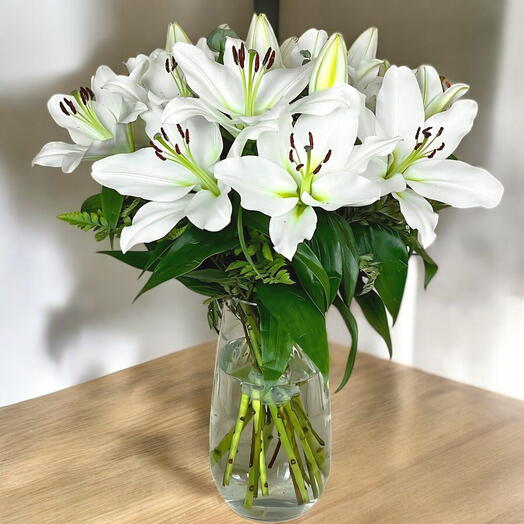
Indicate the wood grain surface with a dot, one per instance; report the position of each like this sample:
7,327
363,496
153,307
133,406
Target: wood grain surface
132,447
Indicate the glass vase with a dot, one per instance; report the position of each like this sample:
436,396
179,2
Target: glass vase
269,443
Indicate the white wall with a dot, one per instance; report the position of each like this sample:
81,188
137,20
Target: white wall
65,312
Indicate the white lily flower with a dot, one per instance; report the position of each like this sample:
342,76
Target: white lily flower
261,37
96,121
330,67
363,65
237,93
421,158
175,34
312,163
438,94
176,175
298,51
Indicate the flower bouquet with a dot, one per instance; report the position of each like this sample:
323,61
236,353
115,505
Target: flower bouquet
275,180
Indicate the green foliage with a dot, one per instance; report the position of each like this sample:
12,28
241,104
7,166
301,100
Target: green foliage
373,308
276,343
300,317
352,326
384,260
86,221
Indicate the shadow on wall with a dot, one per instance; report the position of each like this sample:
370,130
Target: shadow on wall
67,311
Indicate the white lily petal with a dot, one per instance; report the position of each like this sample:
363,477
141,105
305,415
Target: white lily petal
331,68
366,124
376,172
205,140
289,230
429,83
261,37
262,185
215,83
202,44
419,215
339,189
364,48
373,146
152,221
446,99
455,183
400,111
253,132
209,211
60,154
456,122
80,132
336,133
324,102
142,174
128,88
278,84
297,50
182,109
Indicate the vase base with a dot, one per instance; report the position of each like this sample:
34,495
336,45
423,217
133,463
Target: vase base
269,510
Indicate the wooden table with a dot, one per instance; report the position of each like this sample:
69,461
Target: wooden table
132,447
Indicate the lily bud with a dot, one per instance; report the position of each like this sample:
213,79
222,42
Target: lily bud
216,40
175,34
261,37
364,48
437,94
331,68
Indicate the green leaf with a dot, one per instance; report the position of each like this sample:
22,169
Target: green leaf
92,204
390,252
210,275
188,252
84,220
138,259
327,247
302,319
276,346
350,258
111,205
375,313
202,288
352,326
312,276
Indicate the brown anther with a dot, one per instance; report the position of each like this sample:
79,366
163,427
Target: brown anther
441,147
310,136
160,155
426,132
177,149
90,93
186,138
235,54
83,96
271,60
154,146
432,154
167,65
292,140
417,145
257,62
266,56
71,105
440,131
417,134
180,130
327,157
242,56
173,63
299,167
164,134
317,169
291,159
64,110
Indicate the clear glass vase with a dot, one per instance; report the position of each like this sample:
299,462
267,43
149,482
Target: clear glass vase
286,425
